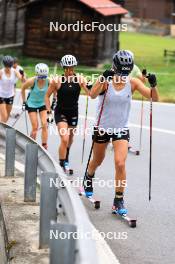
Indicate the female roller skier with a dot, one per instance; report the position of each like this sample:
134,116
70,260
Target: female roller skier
114,120
35,101
8,77
67,87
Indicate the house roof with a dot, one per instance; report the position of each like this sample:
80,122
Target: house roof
105,7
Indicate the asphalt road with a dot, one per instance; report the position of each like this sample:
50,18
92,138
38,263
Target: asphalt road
152,242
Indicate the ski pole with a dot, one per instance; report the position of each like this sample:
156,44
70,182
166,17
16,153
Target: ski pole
85,126
141,127
93,142
150,154
144,73
26,123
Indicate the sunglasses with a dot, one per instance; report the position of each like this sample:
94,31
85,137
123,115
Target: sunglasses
42,77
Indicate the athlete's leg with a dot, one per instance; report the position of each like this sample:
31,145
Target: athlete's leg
8,109
120,155
3,113
99,150
72,120
44,133
71,136
34,122
64,136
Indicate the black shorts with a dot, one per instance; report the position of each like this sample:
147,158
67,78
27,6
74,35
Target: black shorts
8,101
100,136
37,109
71,118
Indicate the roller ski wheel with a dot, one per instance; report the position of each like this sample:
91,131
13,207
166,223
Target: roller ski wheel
17,115
69,172
133,151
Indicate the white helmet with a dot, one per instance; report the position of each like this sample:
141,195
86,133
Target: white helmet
68,61
42,70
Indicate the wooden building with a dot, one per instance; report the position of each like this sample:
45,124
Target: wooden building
11,22
160,10
90,47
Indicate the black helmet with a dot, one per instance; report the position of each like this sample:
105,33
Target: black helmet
123,62
8,61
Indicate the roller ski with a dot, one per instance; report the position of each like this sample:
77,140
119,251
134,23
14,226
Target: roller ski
65,166
133,151
119,209
87,191
15,115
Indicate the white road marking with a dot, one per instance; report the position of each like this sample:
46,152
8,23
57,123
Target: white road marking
105,254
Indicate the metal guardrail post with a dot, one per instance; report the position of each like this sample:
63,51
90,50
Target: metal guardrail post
62,243
30,177
48,205
10,152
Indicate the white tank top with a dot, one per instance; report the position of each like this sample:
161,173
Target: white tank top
117,105
7,84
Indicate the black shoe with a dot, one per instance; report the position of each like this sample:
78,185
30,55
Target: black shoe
88,185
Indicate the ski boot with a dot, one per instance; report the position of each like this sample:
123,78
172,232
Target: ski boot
65,166
118,207
88,185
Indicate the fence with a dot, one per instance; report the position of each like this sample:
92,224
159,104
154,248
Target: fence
61,210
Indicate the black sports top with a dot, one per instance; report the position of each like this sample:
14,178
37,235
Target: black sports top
68,95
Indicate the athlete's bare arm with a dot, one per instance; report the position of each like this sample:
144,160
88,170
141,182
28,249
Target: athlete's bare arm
28,84
142,78
0,74
98,88
139,86
18,75
53,87
83,84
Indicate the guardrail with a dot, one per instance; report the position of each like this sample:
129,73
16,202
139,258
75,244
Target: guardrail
61,210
